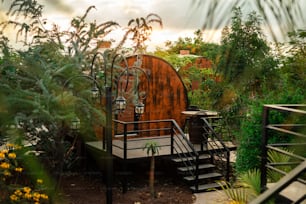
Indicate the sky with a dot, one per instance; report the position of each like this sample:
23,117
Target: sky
181,18
178,19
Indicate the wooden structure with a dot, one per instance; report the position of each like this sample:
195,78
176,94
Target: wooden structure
163,121
166,96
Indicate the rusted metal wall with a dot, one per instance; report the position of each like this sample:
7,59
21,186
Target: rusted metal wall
166,95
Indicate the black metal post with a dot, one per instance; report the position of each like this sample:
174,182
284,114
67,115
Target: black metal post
172,138
124,187
264,142
136,118
109,146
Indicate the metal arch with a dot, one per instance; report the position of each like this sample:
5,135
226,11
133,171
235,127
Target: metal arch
84,76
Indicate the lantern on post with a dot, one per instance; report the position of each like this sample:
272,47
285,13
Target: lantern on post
75,124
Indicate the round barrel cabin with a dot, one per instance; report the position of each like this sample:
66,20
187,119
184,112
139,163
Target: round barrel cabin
165,94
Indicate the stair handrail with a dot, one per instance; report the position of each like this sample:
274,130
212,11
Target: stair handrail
181,133
210,130
193,154
294,173
185,151
281,184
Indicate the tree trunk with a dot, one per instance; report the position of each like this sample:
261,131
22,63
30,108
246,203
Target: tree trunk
151,181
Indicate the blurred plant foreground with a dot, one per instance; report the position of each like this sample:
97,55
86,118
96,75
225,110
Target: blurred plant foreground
36,107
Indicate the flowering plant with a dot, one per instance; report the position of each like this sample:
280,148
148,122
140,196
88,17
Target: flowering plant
12,188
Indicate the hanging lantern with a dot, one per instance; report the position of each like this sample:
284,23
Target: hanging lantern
95,92
139,108
120,103
75,123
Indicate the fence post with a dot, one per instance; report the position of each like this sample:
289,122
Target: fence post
172,138
228,155
125,141
197,173
264,142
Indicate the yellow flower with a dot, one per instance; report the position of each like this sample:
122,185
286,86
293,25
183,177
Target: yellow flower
27,189
27,196
13,197
7,173
12,155
17,147
9,145
5,151
18,192
4,165
39,181
18,169
2,155
36,196
44,196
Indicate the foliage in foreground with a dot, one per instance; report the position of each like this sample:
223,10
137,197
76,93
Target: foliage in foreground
16,186
246,188
39,92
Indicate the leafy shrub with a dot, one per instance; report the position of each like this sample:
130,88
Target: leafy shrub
252,180
249,147
245,189
248,151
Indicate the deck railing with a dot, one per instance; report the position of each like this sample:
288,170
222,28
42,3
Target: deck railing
179,146
293,129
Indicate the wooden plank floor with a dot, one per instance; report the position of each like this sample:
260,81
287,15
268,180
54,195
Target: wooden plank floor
135,146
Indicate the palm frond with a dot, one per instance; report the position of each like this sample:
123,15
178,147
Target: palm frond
251,179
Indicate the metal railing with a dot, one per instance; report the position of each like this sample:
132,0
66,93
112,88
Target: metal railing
292,131
220,154
180,146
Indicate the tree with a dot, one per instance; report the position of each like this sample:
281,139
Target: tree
288,14
141,29
294,64
153,148
36,104
196,45
245,53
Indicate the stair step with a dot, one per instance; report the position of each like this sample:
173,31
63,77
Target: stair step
205,187
202,156
203,176
191,168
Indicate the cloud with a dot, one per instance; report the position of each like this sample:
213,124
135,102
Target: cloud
58,5
179,20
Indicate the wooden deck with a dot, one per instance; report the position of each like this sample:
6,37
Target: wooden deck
135,146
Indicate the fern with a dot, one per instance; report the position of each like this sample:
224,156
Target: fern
277,157
251,179
238,195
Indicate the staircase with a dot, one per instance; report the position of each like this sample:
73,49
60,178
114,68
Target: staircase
208,167
206,177
291,186
203,166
